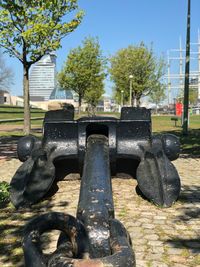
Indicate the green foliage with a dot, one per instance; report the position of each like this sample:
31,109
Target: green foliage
140,62
157,94
84,73
4,192
29,28
193,96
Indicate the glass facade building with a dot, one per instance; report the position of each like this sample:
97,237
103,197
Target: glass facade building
42,80
60,94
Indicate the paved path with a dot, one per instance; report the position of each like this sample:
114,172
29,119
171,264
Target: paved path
161,237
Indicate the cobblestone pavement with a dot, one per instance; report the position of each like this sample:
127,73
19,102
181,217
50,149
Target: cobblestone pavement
161,237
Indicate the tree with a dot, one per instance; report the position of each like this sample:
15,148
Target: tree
83,72
157,94
193,96
93,95
145,68
29,29
6,74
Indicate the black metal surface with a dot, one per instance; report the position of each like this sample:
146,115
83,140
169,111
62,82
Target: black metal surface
96,147
128,138
34,177
26,145
95,232
70,226
122,254
95,207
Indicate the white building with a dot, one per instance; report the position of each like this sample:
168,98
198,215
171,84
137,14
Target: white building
42,78
107,104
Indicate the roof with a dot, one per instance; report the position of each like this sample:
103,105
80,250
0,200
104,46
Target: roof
59,93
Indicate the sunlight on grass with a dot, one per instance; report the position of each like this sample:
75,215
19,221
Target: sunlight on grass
164,123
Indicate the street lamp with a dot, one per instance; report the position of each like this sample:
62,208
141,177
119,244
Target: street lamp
174,106
122,98
187,74
131,89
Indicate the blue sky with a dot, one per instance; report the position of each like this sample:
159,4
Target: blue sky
119,23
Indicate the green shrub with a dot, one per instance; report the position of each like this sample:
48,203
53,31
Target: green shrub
4,192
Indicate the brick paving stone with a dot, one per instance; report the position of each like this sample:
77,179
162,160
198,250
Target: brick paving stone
178,259
151,237
154,258
178,265
138,242
140,249
141,263
159,264
145,220
159,217
158,250
148,226
155,243
148,231
159,221
136,234
174,251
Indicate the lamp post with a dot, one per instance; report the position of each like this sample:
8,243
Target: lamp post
174,106
122,98
187,75
131,91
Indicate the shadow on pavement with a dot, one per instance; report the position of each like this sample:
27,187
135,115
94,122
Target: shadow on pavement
8,147
190,194
190,215
12,227
192,244
8,144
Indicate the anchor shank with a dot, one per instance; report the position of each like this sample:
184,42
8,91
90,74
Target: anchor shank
95,207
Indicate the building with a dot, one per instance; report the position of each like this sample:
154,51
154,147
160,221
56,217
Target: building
59,94
5,97
59,98
107,104
42,79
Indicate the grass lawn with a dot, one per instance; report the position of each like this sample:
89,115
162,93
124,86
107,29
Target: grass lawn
9,112
164,123
189,144
20,115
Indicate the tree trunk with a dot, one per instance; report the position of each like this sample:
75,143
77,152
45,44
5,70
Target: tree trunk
79,105
134,102
27,115
91,110
156,109
138,102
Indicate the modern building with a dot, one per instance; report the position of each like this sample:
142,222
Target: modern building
42,79
59,94
59,98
